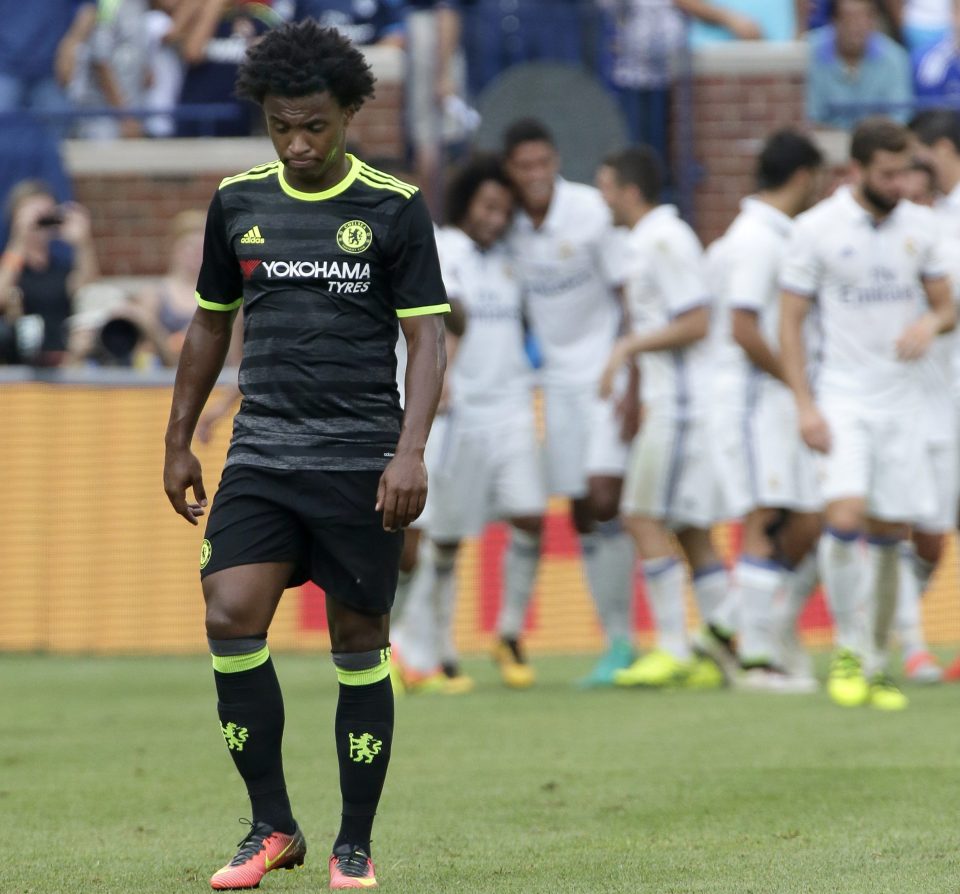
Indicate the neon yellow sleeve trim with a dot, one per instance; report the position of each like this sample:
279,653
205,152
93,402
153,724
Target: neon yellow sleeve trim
235,664
213,305
420,311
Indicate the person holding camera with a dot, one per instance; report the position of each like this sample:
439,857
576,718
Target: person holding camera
48,258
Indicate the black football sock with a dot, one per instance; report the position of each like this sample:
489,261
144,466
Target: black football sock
250,705
364,731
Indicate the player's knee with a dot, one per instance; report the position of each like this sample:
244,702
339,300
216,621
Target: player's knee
846,517
581,514
530,524
605,499
224,622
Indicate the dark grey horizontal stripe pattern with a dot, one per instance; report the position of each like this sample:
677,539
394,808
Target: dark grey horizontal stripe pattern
377,429
319,464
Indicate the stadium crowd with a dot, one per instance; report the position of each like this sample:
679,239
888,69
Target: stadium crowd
657,343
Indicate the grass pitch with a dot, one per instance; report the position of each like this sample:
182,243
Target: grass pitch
114,778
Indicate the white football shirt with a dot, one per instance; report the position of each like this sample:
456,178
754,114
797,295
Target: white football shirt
570,266
744,274
666,276
866,277
490,372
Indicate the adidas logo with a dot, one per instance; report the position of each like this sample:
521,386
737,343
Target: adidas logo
252,237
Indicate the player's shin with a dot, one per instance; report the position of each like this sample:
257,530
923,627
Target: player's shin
520,562
250,706
881,584
608,556
364,733
841,569
759,581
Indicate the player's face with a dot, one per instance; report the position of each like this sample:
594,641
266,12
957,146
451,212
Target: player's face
489,213
918,187
533,167
309,134
883,180
614,194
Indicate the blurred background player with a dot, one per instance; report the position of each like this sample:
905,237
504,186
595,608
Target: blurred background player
876,268
570,259
487,461
764,470
937,144
670,482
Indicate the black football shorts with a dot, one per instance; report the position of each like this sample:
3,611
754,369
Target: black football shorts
323,522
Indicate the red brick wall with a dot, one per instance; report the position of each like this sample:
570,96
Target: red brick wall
732,114
131,212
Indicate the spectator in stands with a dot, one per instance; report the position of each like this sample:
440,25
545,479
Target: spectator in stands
723,20
645,37
46,273
169,304
38,51
213,39
498,34
925,23
113,69
853,64
365,22
937,71
436,114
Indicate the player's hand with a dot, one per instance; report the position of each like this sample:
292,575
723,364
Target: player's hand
402,493
618,357
76,227
814,430
181,470
917,338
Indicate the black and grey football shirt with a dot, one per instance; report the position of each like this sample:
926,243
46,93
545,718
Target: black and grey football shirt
322,278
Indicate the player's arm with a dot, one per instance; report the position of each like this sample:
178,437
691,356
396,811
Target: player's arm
684,329
793,358
420,300
219,294
628,406
403,487
941,317
745,325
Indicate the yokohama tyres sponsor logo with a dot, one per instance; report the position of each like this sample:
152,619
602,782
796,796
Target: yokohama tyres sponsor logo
316,270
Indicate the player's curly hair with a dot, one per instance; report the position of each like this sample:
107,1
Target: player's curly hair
302,58
467,180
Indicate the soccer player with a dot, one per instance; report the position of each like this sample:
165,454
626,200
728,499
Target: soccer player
324,470
670,483
764,470
570,256
488,464
874,265
937,143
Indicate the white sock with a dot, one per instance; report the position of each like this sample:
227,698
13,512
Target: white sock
915,575
444,610
520,562
400,598
664,579
788,605
841,569
711,585
412,636
608,559
419,639
880,585
759,581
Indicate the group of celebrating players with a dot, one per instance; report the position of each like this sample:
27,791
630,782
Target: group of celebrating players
796,376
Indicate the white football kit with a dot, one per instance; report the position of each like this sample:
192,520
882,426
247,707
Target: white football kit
669,472
761,461
486,461
570,267
867,280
